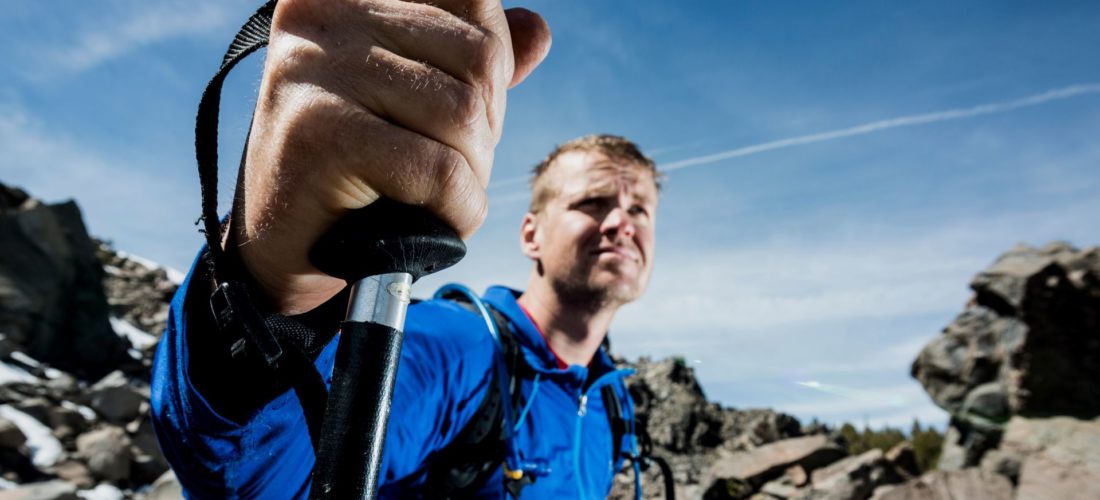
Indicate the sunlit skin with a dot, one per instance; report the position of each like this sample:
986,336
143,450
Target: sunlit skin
592,245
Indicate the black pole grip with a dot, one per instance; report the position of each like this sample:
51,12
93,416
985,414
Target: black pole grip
387,237
354,427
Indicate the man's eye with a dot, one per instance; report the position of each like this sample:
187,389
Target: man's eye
638,210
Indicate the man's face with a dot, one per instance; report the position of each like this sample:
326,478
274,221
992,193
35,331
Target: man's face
594,238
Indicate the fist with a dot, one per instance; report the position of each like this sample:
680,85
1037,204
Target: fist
363,99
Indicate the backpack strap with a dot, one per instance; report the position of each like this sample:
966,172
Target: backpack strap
620,427
479,448
281,347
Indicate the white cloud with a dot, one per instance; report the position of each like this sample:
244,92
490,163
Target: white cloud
143,212
115,32
902,121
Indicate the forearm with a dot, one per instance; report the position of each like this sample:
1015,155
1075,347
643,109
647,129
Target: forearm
226,429
238,385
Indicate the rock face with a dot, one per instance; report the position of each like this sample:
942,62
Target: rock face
137,292
688,431
52,303
74,393
1055,458
1017,370
1028,344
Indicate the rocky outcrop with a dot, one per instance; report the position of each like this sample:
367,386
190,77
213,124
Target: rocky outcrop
74,389
52,304
1028,344
138,292
688,431
1017,371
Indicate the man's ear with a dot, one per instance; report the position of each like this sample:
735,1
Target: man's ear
529,236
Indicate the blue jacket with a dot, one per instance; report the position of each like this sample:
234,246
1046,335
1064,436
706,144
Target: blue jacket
446,365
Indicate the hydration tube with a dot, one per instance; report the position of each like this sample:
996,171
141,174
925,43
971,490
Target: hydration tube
514,467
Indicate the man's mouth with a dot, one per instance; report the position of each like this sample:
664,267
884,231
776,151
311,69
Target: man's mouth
623,252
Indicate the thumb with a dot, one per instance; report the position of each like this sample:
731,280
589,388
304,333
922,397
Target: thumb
530,41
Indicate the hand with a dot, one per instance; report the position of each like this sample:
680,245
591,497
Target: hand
364,99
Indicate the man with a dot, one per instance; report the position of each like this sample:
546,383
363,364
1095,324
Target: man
363,99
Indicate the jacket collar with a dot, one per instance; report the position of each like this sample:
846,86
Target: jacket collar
535,350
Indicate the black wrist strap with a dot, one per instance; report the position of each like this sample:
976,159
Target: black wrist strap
251,37
281,346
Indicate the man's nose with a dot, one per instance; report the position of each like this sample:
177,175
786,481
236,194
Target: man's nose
618,221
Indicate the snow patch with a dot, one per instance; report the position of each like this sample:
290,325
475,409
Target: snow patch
138,338
84,411
45,449
102,492
27,360
13,374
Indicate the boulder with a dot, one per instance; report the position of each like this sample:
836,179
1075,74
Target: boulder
1059,457
853,478
1027,344
116,398
51,296
949,485
756,467
107,453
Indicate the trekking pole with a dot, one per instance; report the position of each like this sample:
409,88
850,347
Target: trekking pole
382,248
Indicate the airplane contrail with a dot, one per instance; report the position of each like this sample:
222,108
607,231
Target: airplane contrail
901,121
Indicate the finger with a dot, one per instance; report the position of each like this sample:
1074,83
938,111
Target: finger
422,99
372,158
489,16
531,40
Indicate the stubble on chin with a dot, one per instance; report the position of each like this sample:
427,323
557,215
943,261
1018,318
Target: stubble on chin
584,291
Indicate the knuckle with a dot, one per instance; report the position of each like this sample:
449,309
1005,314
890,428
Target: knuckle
486,52
292,14
466,106
292,58
457,199
313,123
447,166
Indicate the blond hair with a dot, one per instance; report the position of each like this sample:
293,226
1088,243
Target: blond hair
615,147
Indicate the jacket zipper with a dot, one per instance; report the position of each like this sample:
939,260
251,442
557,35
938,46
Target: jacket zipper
582,409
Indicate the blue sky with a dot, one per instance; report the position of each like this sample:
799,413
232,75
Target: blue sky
843,168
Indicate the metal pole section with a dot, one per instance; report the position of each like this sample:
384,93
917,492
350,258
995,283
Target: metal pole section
381,299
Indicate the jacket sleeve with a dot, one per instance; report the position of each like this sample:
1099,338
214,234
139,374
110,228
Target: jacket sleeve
267,453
